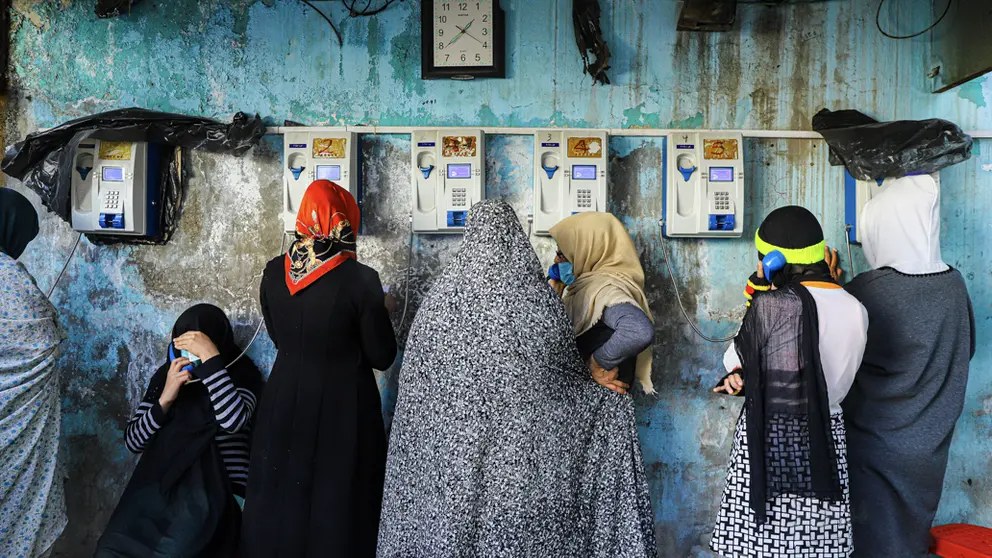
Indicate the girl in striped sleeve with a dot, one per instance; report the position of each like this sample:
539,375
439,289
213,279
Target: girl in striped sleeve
192,430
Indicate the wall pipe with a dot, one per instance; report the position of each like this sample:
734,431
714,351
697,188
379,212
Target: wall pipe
628,132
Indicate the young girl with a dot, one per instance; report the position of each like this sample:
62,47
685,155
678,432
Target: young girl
793,361
192,431
605,298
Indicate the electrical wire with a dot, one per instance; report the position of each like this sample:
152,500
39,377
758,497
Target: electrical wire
792,3
678,296
261,321
366,12
878,22
847,229
328,20
65,265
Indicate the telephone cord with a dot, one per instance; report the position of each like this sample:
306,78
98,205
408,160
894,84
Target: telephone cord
64,266
261,322
678,295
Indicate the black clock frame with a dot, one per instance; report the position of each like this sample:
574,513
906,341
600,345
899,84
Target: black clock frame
429,71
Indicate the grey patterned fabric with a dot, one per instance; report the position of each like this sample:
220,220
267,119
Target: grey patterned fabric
502,445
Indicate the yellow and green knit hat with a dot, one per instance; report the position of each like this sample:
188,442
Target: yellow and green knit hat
793,231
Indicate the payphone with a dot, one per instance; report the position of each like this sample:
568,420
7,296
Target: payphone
316,155
448,170
115,187
570,175
704,194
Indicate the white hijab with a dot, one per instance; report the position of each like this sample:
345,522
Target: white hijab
901,227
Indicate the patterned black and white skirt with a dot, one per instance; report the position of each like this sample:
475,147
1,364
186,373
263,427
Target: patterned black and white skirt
797,527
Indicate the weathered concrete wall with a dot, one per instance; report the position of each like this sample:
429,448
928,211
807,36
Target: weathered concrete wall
214,58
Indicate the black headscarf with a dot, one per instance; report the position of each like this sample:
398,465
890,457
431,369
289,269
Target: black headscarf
179,501
208,319
18,222
786,399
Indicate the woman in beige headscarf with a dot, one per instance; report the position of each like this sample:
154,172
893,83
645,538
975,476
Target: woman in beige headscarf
601,281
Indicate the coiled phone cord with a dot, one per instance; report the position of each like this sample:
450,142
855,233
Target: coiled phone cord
65,265
261,321
678,295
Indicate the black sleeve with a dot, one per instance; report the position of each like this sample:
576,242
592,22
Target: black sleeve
375,327
971,321
749,341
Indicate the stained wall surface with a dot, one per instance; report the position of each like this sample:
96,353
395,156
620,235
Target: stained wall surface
278,59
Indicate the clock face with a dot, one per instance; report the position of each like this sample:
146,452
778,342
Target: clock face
463,33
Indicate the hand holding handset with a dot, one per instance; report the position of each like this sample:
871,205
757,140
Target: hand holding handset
193,359
773,262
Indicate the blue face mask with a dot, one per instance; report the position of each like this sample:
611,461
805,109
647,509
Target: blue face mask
565,272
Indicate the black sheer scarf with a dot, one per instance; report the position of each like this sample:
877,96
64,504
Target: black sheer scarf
786,400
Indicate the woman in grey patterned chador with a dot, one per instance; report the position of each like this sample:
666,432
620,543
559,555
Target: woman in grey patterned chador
502,445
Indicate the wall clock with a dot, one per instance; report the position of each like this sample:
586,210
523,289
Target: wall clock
462,40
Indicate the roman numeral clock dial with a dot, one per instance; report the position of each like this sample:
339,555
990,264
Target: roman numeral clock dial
463,40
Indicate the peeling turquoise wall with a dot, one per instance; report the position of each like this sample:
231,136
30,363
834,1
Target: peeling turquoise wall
214,58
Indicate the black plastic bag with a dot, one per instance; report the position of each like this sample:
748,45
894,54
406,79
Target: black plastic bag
872,150
113,8
43,161
589,39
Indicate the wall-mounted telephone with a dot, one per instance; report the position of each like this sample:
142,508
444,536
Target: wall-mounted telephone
704,193
448,174
859,192
115,187
570,175
316,155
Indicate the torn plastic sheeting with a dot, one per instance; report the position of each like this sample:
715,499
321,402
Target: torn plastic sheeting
872,150
43,161
113,8
589,39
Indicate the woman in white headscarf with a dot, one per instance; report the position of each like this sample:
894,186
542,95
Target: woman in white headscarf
910,389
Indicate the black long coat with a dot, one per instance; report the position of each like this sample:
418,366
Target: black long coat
319,450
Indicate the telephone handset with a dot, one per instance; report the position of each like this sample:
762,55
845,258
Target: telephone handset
194,361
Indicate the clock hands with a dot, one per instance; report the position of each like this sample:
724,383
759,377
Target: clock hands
463,32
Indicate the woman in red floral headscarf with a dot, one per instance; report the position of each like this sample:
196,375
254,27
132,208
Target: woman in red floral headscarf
319,450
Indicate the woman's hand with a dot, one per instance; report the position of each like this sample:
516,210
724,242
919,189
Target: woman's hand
833,262
732,384
607,378
176,379
198,344
390,302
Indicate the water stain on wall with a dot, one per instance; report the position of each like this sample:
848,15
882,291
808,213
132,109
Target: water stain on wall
279,59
